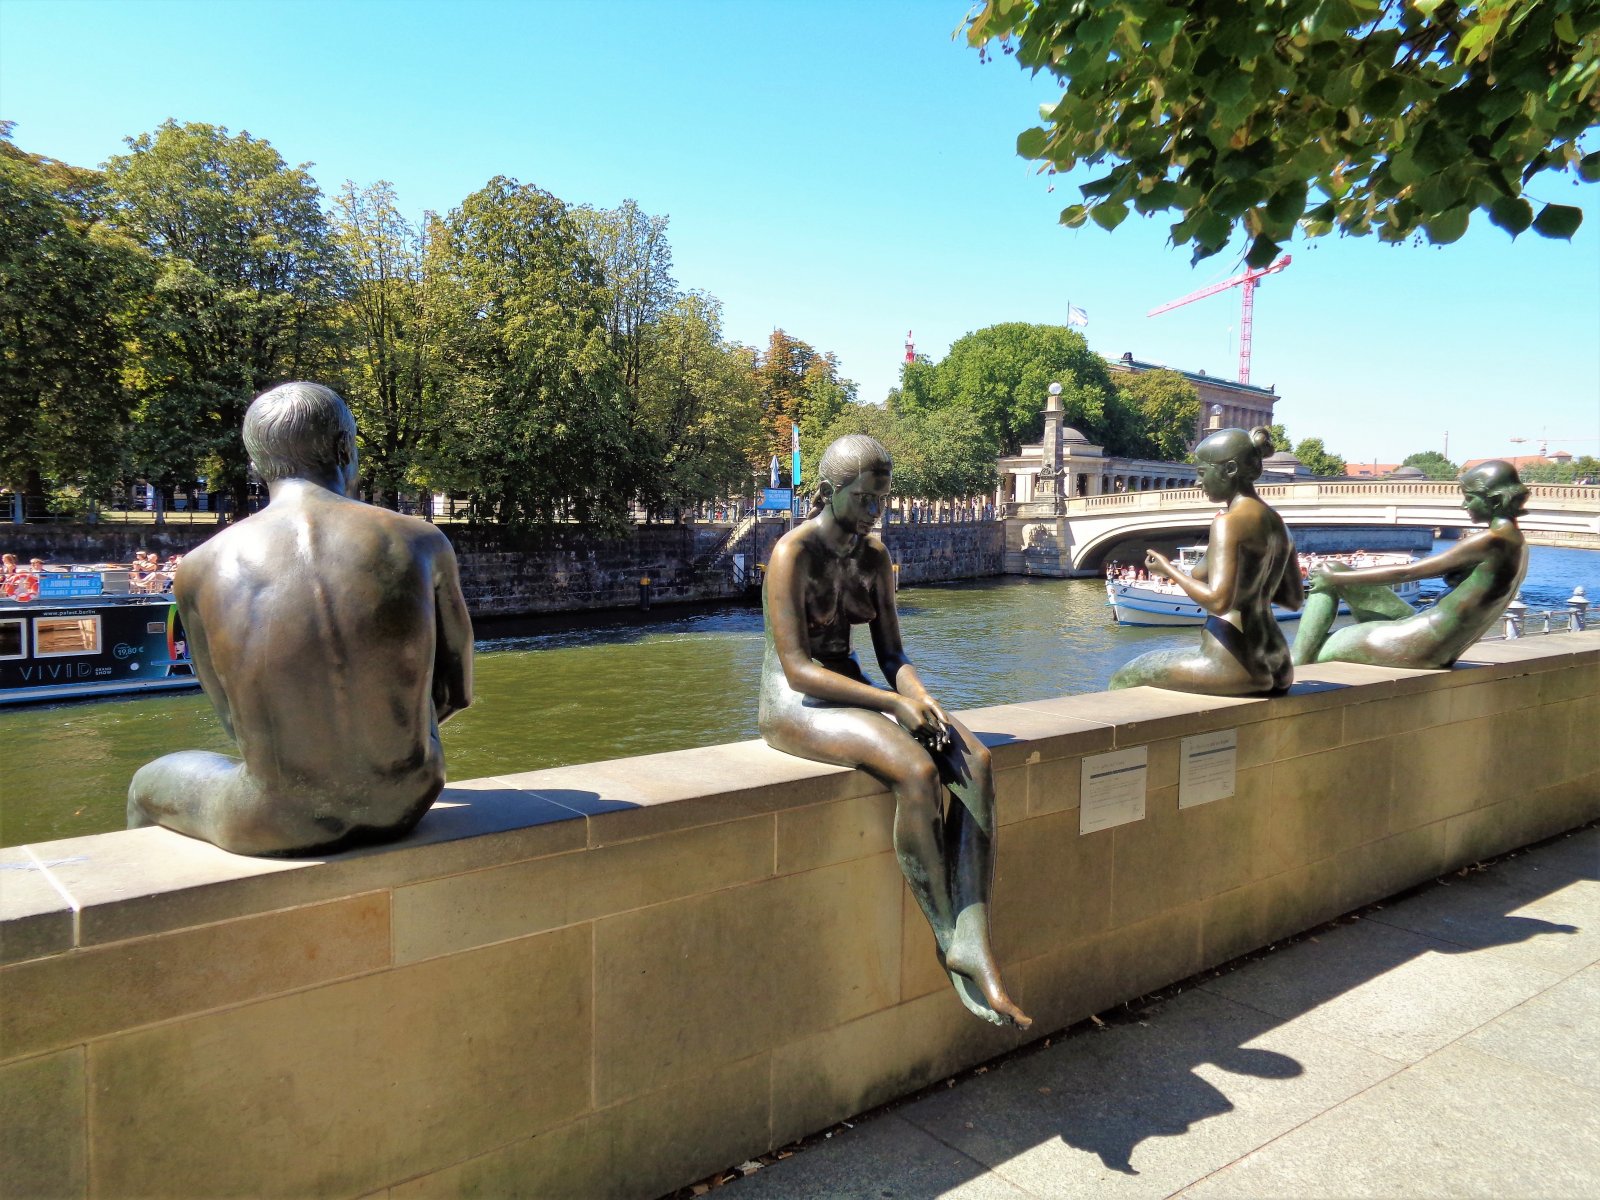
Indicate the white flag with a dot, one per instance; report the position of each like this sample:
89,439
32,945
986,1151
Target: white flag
1076,316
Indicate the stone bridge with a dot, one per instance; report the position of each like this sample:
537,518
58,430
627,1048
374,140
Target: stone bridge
1078,540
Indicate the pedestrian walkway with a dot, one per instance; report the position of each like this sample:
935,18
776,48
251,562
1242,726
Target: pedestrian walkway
1442,1045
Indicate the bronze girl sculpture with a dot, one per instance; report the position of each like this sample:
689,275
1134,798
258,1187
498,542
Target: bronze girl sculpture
1484,569
1249,566
826,575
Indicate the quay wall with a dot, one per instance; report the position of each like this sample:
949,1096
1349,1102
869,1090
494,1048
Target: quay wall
571,570
616,978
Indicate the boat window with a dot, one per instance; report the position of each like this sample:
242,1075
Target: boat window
54,636
13,642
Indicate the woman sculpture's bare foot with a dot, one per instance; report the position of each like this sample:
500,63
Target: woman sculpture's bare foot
969,972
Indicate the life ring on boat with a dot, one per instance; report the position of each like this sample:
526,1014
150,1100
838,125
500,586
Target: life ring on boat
25,590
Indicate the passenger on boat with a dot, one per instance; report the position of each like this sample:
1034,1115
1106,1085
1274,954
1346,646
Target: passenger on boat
1250,565
332,639
826,575
1484,569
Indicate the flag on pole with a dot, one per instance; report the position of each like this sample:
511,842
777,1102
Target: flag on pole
1076,316
772,471
794,454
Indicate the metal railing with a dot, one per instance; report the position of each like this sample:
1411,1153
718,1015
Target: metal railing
1521,621
1543,495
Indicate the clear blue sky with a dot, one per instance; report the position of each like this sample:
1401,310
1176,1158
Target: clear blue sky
845,171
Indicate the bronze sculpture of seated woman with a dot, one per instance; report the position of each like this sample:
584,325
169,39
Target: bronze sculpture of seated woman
1249,566
826,575
1483,569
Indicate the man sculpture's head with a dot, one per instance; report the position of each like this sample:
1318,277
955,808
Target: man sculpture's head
302,431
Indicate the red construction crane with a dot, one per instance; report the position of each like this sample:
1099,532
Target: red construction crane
1246,307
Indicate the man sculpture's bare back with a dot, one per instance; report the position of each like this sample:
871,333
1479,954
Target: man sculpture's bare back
332,638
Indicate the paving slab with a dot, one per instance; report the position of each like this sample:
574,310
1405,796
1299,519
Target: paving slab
1558,932
1147,1107
885,1159
1554,1032
1387,990
1373,1059
1461,1124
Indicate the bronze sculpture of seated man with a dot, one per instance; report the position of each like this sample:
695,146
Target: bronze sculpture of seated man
332,639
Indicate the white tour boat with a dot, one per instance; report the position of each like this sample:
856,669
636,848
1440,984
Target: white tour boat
1160,602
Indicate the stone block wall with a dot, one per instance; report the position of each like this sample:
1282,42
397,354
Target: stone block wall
939,553
615,978
571,570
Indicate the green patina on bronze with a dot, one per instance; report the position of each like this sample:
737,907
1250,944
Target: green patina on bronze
826,575
1248,567
1484,569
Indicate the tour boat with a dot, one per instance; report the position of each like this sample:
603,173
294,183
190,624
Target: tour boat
71,641
1160,602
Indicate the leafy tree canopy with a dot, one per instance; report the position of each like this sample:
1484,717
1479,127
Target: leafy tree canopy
245,265
70,304
1432,464
1360,116
1316,458
1001,375
1583,469
939,456
700,404
537,428
1162,410
1280,438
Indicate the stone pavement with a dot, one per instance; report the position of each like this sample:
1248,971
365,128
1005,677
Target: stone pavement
1442,1045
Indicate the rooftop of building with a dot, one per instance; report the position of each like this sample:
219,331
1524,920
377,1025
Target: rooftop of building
1127,362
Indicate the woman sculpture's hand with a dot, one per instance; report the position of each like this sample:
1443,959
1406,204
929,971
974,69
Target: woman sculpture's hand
1157,564
1322,576
924,720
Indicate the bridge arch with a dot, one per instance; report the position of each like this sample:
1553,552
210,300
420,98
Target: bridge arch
1096,525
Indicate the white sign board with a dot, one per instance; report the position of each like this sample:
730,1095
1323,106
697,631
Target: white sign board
1113,788
1208,767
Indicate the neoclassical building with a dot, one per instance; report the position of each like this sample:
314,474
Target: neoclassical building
1244,405
1066,464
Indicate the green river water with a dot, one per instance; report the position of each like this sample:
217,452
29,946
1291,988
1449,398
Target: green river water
625,686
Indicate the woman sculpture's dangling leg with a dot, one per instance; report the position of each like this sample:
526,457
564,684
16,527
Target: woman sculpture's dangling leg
969,828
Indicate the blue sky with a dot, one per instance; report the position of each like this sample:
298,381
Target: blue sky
846,171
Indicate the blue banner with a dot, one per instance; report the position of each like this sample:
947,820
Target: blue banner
776,499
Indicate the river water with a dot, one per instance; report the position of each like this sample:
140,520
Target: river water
547,696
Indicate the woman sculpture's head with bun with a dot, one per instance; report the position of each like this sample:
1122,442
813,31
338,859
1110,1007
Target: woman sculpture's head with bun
853,480
1230,461
1493,489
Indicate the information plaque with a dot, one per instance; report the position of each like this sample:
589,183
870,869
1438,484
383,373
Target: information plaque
1113,789
1208,767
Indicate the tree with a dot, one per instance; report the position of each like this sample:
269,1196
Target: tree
244,265
1001,374
386,336
936,456
537,430
700,403
635,260
1316,459
1280,438
1584,468
1163,409
69,308
799,386
1356,115
1433,464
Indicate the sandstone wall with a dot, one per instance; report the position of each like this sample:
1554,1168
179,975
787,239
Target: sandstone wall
613,979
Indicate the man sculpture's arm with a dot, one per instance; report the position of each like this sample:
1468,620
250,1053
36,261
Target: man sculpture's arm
452,664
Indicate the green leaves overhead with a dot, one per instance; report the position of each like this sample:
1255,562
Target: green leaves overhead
1349,115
